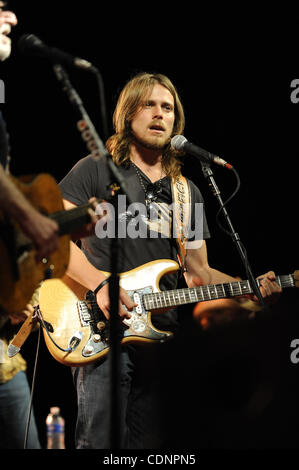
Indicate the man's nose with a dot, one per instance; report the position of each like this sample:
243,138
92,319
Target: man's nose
157,112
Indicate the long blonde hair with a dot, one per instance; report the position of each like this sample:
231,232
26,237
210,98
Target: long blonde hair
128,103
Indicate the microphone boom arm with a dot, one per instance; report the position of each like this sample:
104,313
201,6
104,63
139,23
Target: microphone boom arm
101,151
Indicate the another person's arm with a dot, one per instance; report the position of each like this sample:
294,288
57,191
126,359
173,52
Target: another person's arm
40,229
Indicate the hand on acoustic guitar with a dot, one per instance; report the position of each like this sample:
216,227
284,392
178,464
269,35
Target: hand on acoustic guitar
16,318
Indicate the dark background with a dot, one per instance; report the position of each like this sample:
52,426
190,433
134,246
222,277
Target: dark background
233,71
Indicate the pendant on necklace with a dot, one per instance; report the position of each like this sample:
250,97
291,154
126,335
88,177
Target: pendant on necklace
151,193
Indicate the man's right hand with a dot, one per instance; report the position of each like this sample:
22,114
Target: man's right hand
103,302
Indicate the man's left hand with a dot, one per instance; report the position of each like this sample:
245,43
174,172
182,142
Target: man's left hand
270,290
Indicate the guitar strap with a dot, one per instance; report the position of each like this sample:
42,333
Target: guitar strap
181,216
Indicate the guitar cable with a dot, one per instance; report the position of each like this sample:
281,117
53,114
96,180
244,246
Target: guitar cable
40,318
32,391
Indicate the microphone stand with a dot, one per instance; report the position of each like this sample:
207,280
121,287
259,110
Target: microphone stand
115,329
209,175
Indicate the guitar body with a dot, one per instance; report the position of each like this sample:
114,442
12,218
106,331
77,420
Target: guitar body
76,332
21,273
69,317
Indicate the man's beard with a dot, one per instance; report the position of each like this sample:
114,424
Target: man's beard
154,143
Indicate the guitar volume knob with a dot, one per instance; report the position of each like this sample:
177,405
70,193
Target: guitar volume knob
96,338
88,349
101,325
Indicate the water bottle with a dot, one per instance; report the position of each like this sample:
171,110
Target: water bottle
55,429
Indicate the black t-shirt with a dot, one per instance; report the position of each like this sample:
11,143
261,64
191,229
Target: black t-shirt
139,240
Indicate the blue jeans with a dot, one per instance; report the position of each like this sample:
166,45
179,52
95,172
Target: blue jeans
14,404
137,404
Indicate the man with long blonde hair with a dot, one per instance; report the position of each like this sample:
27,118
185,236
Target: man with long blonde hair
147,115
136,91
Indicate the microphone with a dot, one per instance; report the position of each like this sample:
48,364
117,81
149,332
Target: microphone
179,142
31,45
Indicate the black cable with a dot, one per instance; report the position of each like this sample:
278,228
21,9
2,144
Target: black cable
32,391
34,374
246,262
227,201
49,336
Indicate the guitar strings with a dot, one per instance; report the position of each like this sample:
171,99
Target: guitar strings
205,292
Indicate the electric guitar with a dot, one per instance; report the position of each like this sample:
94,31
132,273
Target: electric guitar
76,332
20,273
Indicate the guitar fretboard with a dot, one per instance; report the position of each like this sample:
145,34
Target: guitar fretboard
176,297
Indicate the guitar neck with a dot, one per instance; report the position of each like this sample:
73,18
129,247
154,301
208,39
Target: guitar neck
73,219
176,297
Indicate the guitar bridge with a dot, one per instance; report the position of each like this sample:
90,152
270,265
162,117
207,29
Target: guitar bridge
84,313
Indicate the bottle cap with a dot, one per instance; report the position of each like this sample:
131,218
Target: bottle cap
54,410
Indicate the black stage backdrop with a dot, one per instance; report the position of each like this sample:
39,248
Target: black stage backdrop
233,71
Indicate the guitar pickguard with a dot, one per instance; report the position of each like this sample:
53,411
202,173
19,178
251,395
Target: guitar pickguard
138,325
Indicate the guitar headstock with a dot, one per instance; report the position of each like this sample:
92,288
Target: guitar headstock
296,278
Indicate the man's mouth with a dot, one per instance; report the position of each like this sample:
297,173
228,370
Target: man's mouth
157,128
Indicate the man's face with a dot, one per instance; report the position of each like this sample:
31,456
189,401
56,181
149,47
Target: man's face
153,123
7,19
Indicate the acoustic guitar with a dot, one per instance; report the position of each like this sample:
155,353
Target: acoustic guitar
20,273
76,331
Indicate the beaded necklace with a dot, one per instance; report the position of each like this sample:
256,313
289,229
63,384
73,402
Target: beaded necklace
151,191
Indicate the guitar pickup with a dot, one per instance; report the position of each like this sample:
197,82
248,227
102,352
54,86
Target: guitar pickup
137,300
